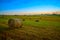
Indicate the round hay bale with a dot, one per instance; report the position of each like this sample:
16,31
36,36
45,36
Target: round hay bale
14,23
36,20
23,19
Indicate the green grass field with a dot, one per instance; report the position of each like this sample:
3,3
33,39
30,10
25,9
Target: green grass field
46,28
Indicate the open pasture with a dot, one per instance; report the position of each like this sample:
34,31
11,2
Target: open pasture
35,27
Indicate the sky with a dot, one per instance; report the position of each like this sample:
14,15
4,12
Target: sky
29,5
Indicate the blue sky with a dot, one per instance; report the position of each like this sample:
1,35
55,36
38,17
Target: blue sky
29,5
